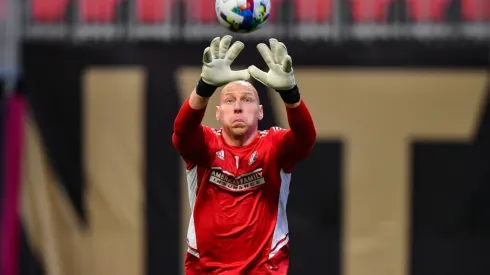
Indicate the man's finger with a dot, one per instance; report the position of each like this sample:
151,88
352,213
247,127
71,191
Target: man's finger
274,47
206,57
258,74
285,48
266,54
287,64
215,47
281,53
234,51
224,45
240,75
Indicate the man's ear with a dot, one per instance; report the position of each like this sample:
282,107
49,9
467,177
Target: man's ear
261,112
217,113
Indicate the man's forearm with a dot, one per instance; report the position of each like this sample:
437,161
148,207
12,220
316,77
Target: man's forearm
188,131
299,117
200,95
301,124
198,102
188,134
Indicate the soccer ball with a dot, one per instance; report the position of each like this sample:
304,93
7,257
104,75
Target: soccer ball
243,16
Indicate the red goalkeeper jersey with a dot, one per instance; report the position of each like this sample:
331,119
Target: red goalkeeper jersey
238,195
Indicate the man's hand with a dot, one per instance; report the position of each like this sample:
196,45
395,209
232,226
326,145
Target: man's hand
280,76
217,59
216,70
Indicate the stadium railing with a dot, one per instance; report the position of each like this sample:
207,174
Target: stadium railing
303,19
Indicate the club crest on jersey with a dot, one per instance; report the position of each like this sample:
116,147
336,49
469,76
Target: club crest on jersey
253,158
221,154
236,183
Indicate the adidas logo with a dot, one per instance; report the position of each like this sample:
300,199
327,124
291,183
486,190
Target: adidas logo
221,154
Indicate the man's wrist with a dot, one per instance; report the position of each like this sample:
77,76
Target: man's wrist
204,89
290,96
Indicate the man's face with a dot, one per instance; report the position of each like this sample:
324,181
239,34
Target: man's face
239,111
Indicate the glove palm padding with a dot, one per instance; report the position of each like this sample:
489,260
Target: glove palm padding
217,60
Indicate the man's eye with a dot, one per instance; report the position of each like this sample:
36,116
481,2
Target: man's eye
228,101
247,100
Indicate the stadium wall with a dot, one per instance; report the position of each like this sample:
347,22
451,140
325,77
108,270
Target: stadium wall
397,183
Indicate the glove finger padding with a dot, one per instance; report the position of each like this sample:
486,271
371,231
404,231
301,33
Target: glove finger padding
258,74
215,47
281,53
207,58
287,64
240,75
234,51
266,54
274,46
224,45
284,48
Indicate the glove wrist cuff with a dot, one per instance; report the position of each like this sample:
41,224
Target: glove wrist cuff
290,96
204,89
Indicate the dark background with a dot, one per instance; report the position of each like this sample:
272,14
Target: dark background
449,180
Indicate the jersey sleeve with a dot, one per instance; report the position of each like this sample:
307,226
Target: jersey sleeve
191,139
297,142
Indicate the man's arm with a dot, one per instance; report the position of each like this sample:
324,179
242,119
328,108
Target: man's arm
297,142
302,132
301,136
198,102
189,136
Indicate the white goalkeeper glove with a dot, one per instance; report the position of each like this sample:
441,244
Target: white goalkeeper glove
216,69
280,76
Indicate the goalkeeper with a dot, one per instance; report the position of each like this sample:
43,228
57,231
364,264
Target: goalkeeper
238,177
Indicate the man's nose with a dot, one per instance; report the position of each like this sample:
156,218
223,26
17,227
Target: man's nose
238,107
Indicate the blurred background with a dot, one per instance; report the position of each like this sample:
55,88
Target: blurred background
398,183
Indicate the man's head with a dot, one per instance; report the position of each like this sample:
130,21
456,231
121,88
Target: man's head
239,109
